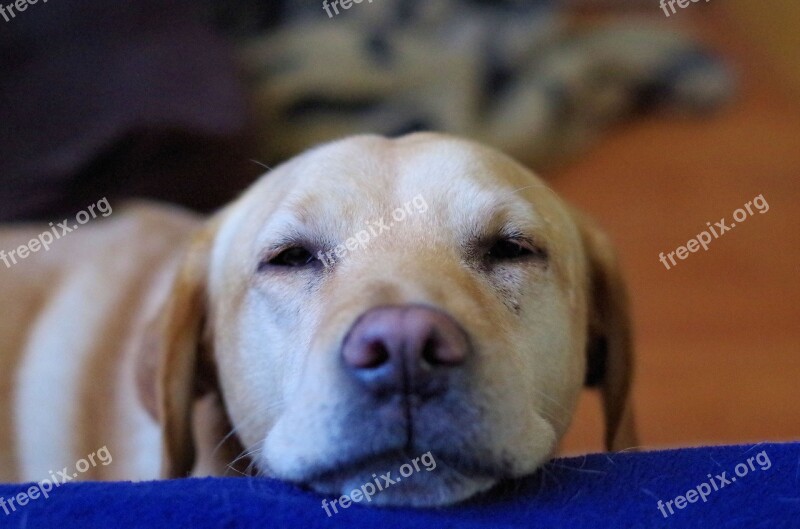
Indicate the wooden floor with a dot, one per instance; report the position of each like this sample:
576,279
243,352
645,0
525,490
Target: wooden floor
718,340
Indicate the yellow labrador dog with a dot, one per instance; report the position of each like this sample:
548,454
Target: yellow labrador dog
367,302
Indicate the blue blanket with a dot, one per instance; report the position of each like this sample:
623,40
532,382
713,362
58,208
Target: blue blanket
718,487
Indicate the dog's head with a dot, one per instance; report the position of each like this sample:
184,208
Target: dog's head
374,300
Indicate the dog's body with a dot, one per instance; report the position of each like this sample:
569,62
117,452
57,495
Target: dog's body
463,330
73,326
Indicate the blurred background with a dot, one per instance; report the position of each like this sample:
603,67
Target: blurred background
652,121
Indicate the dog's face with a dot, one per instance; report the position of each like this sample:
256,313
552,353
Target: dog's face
375,300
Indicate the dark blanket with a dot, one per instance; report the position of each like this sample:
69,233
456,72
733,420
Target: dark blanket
715,487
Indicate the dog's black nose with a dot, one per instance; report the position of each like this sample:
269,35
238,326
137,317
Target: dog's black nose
412,349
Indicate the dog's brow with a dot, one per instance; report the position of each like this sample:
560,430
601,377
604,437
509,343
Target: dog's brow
504,214
287,228
289,235
283,228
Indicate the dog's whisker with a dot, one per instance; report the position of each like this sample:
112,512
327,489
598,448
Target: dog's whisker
248,420
581,470
262,164
243,474
530,187
254,469
227,436
629,449
539,186
233,431
562,421
247,453
544,470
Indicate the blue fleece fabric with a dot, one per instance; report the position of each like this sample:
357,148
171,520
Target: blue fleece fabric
597,491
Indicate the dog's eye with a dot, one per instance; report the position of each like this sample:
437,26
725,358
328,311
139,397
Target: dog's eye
295,256
511,249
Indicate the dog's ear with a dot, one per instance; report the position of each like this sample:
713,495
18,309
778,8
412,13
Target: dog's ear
173,371
610,342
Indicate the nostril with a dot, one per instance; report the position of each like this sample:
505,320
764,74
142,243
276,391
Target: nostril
437,351
371,355
377,355
430,354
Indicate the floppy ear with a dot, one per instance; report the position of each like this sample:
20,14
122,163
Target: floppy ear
173,371
610,344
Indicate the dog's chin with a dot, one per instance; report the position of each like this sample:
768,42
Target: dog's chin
441,485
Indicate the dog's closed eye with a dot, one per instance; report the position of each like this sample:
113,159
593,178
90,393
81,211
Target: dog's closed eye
292,257
512,249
